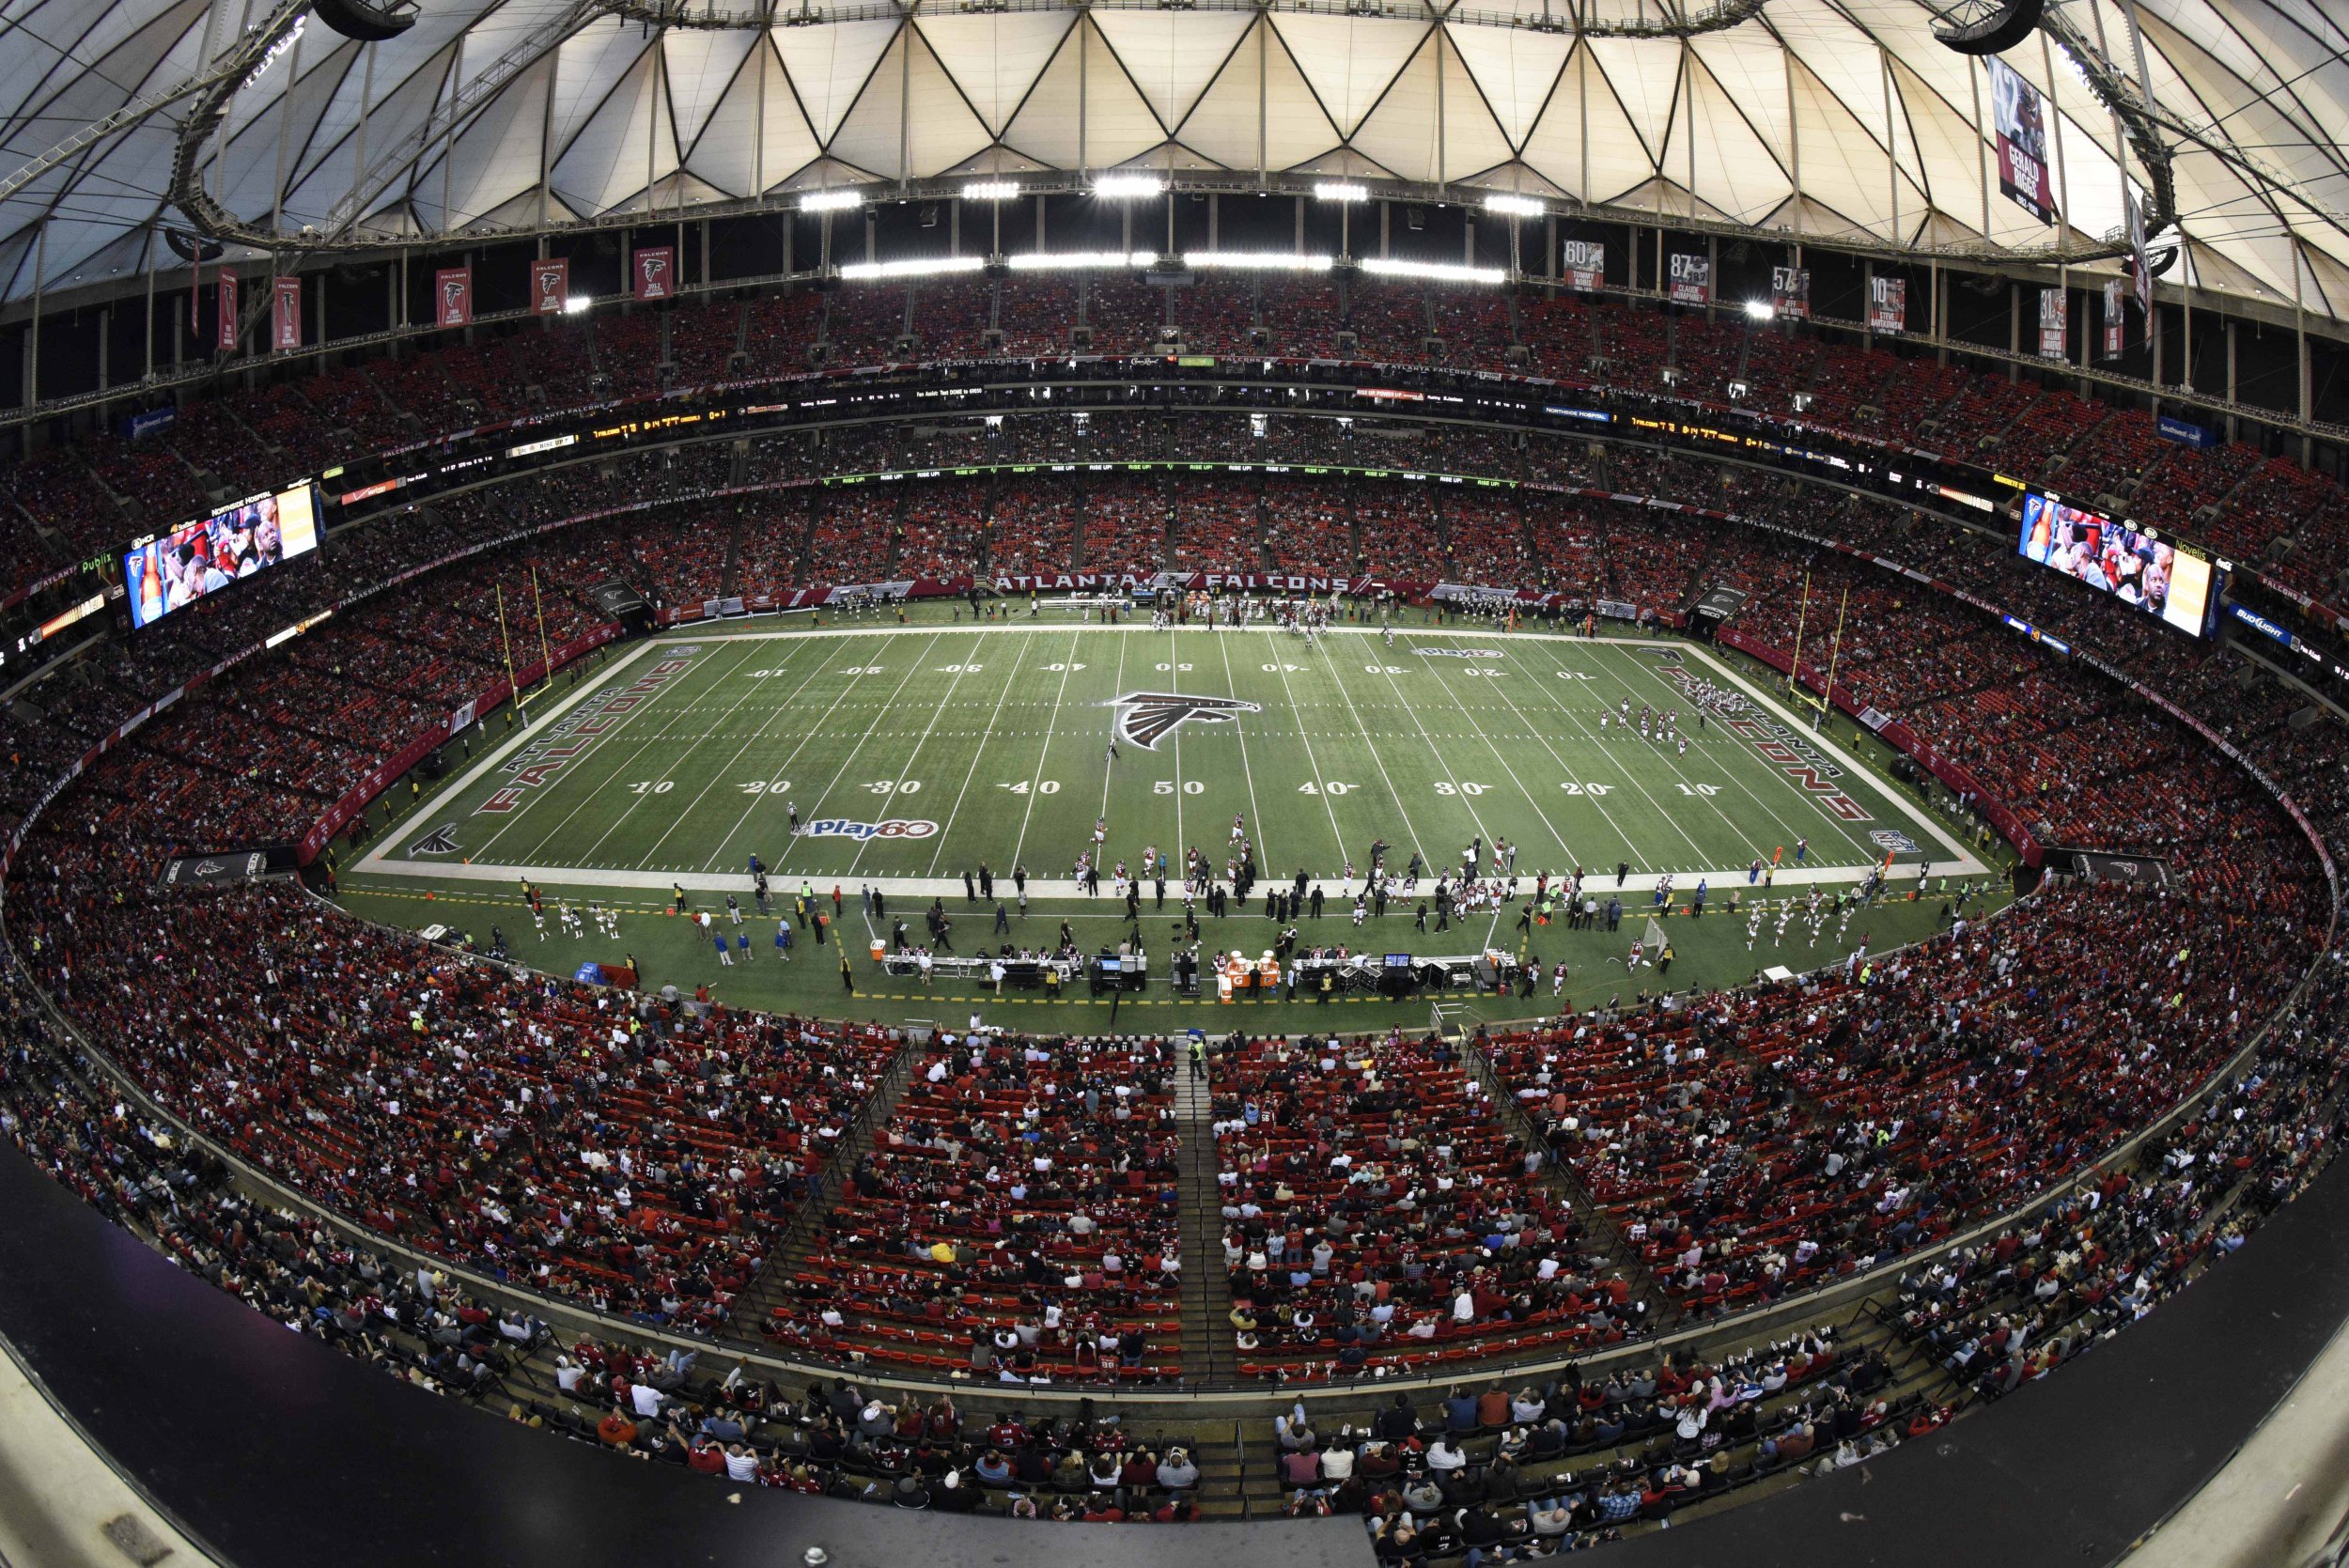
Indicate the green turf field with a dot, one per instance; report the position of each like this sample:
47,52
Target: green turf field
914,755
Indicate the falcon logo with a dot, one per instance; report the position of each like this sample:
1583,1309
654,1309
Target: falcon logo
440,840
1146,718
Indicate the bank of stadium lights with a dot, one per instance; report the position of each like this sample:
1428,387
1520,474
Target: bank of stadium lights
1339,190
1125,187
1761,310
1437,272
991,190
913,267
1047,261
578,304
1514,207
1255,261
830,201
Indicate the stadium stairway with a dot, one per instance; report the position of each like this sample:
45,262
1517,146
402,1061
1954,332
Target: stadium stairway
1207,1350
1600,1231
790,1252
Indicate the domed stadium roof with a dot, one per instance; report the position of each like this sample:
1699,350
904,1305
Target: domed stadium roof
1835,120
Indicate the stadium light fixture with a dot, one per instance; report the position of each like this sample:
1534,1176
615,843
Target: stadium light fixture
1049,261
1514,207
1339,190
1257,261
913,267
577,305
830,201
1119,187
991,190
1436,271
1760,310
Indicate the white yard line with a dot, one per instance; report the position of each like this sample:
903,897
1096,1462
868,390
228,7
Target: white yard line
841,772
1737,776
1174,684
1108,768
1255,813
677,756
1457,701
977,751
1433,750
897,786
1052,721
595,748
806,733
1336,836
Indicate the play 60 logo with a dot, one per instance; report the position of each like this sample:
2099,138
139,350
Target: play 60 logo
896,827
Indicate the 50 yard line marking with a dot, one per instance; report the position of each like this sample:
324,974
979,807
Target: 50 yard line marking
1107,769
1174,684
977,751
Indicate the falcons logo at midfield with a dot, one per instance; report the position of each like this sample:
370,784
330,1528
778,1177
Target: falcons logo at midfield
1146,718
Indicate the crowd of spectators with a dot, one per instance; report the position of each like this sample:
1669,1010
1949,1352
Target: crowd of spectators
2266,512
1379,1214
1017,1217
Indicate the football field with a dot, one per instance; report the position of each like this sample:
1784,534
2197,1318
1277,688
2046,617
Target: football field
911,756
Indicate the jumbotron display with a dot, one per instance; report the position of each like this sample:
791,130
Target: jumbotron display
2115,558
165,574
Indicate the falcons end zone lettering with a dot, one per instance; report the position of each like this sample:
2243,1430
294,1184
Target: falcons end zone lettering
1146,718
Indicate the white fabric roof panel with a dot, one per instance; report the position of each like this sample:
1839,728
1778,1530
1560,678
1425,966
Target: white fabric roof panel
1794,96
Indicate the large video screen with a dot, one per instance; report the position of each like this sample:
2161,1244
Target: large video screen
180,568
2114,558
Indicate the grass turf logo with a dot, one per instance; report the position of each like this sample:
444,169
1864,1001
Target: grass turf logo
896,827
1460,653
1146,718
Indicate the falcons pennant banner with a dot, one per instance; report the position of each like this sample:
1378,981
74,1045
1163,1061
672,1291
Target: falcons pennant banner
656,272
452,297
550,285
228,334
286,314
2116,317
